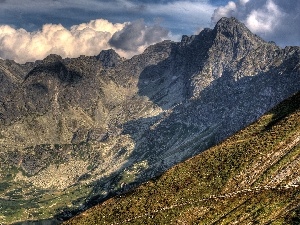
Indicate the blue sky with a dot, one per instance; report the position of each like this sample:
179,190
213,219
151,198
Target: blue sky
31,29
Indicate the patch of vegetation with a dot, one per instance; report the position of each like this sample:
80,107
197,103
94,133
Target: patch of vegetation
250,159
4,186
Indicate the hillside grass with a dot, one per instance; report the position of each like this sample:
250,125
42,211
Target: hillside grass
265,154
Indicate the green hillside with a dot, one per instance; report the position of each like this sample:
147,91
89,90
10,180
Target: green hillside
252,177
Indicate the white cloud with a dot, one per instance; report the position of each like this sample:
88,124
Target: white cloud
273,20
180,16
264,19
244,2
224,11
90,38
84,39
137,35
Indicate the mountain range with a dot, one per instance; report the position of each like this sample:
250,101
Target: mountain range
75,132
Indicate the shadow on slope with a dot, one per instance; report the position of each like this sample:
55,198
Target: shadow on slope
53,65
188,127
225,107
204,190
281,111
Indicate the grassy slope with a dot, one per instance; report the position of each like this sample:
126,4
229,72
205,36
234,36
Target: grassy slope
206,189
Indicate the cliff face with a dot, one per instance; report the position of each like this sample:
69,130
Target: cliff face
90,125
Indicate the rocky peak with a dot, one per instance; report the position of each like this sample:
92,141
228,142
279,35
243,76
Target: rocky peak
157,52
53,66
52,58
159,48
202,36
235,31
222,49
231,26
52,62
109,58
186,40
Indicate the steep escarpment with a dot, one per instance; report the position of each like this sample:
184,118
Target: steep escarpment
77,131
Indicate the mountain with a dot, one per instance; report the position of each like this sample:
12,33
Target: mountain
250,178
75,132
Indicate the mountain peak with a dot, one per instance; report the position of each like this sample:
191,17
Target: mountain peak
230,25
108,52
109,58
234,29
52,58
228,20
226,23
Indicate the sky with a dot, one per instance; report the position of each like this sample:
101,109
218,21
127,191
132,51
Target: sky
33,29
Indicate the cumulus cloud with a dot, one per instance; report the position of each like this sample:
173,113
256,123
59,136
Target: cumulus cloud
179,16
224,11
273,20
265,18
137,35
87,38
83,39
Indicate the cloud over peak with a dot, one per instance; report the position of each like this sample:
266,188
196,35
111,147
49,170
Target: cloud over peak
136,35
83,39
273,20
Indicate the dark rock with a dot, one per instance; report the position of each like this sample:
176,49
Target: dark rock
109,58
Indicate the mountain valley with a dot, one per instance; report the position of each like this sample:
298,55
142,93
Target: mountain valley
77,131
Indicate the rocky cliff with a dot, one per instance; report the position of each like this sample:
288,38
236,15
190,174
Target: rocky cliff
76,131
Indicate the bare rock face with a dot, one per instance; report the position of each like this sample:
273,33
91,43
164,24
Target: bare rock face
111,122
109,58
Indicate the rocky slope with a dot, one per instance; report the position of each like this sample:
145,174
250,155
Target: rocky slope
252,177
76,131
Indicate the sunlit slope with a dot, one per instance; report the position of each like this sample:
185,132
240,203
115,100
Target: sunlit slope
252,177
